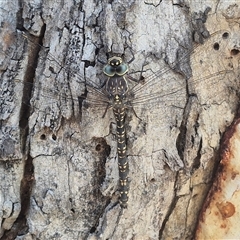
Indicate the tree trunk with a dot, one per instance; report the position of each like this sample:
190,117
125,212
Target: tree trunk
59,170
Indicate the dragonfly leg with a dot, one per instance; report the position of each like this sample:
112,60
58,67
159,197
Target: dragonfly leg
133,57
140,79
136,114
103,84
106,109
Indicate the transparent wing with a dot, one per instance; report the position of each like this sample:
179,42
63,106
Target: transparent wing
163,88
54,84
70,89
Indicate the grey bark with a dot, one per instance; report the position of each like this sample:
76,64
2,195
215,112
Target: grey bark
59,174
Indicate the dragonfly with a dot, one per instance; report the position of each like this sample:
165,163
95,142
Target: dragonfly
119,92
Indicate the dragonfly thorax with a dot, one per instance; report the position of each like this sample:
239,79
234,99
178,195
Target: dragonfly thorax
117,86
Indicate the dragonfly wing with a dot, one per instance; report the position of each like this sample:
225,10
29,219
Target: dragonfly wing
168,101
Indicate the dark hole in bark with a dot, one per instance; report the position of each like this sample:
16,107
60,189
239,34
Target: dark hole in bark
234,52
54,137
98,147
225,35
216,46
92,230
43,137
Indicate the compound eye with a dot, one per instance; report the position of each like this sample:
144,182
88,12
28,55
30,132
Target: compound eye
121,69
109,70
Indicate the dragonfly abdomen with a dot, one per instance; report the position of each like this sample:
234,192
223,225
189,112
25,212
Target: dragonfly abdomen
117,87
123,166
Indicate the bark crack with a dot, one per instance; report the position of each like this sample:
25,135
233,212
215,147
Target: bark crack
20,225
170,209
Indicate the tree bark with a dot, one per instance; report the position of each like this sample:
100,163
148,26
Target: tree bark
59,173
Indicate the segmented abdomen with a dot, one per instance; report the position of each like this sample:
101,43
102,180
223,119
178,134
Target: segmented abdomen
123,167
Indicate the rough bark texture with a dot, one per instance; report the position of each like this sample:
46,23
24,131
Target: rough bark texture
58,167
220,216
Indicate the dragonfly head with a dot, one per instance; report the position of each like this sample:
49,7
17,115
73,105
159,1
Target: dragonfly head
115,67
115,61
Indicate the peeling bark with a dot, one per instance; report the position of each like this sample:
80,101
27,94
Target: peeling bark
220,215
59,174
